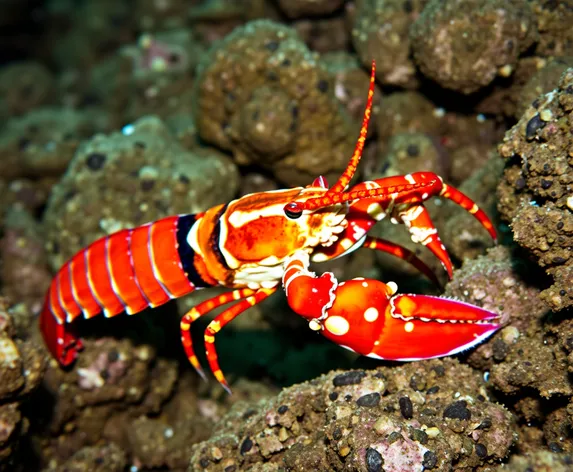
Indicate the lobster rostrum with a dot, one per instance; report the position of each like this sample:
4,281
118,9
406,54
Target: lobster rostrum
254,243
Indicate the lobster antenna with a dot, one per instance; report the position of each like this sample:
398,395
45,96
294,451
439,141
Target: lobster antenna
348,173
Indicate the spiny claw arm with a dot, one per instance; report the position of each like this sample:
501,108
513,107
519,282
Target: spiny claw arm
401,198
308,295
379,197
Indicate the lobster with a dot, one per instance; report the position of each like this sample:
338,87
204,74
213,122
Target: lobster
257,241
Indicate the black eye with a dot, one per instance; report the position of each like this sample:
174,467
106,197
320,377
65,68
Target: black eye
293,210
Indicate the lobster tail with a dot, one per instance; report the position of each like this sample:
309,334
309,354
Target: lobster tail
60,338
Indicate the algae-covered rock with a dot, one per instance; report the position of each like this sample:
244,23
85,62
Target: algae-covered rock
412,152
43,141
554,19
24,85
539,460
351,83
530,359
381,32
300,8
535,192
21,370
464,44
24,270
543,81
102,458
262,95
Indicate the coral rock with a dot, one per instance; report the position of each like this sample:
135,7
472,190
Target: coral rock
262,95
464,44
535,192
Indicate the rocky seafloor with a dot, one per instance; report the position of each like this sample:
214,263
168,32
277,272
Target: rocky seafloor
116,113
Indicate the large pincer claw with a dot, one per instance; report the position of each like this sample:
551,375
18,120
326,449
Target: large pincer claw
423,327
368,316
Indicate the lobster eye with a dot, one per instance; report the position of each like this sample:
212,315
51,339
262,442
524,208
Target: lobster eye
293,210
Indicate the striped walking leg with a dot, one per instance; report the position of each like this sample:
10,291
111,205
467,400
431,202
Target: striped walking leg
220,321
403,253
200,310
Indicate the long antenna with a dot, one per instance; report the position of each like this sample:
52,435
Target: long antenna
348,173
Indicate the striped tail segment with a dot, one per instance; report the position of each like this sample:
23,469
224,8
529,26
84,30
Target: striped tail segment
126,271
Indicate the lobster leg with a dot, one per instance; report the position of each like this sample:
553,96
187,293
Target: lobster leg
399,251
198,311
251,297
220,321
401,198
421,187
355,236
422,231
453,194
368,317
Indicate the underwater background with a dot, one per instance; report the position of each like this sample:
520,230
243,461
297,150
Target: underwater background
115,113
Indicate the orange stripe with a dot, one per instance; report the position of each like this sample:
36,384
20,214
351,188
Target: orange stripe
81,288
166,260
122,274
67,299
143,269
98,278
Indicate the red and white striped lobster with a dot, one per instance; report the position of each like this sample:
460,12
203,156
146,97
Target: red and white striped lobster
253,243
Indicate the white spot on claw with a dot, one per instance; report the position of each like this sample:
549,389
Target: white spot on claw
337,325
371,314
409,327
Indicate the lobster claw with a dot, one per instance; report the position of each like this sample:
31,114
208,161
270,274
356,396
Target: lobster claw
368,317
423,327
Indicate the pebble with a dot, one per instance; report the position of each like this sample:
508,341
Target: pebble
430,460
458,410
246,446
406,407
349,378
374,460
369,400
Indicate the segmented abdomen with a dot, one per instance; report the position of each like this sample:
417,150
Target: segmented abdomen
127,271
